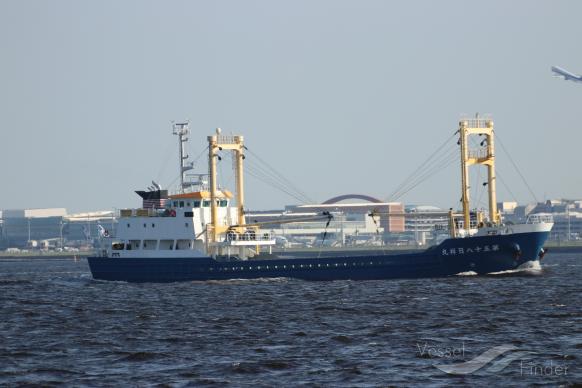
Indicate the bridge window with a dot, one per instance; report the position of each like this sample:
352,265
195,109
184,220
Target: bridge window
183,244
166,244
196,204
134,244
149,245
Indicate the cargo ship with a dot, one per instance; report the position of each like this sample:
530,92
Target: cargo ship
199,232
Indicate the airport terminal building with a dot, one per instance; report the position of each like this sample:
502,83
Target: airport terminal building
51,228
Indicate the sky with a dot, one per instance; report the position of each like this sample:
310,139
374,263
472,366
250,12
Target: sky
337,96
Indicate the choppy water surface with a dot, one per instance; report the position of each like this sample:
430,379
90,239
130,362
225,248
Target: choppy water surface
58,326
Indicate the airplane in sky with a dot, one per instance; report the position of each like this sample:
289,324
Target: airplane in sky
561,73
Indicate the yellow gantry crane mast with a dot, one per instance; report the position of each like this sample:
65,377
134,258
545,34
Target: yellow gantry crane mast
217,143
484,156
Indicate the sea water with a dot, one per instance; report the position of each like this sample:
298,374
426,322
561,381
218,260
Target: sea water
59,326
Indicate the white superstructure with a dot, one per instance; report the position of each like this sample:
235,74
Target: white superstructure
197,221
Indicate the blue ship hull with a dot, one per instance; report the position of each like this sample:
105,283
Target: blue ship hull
480,254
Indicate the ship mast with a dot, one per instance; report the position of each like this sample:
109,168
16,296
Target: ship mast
183,130
481,127
235,144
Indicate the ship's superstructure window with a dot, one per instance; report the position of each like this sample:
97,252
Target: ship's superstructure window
153,225
196,204
183,244
188,214
134,244
118,246
223,203
206,203
166,244
181,203
149,245
187,204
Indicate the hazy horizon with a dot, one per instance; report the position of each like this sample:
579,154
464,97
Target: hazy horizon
338,96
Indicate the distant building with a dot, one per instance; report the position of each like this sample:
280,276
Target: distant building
567,215
26,228
21,226
390,215
351,223
84,226
424,223
507,207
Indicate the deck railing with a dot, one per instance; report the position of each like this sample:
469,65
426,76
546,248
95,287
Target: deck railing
539,219
249,236
149,212
226,139
478,154
481,122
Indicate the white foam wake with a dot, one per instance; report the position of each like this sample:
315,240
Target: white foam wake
532,267
467,273
243,281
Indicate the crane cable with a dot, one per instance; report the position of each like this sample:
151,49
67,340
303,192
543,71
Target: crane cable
516,168
410,181
263,171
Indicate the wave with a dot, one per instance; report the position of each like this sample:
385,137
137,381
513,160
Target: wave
139,356
14,282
